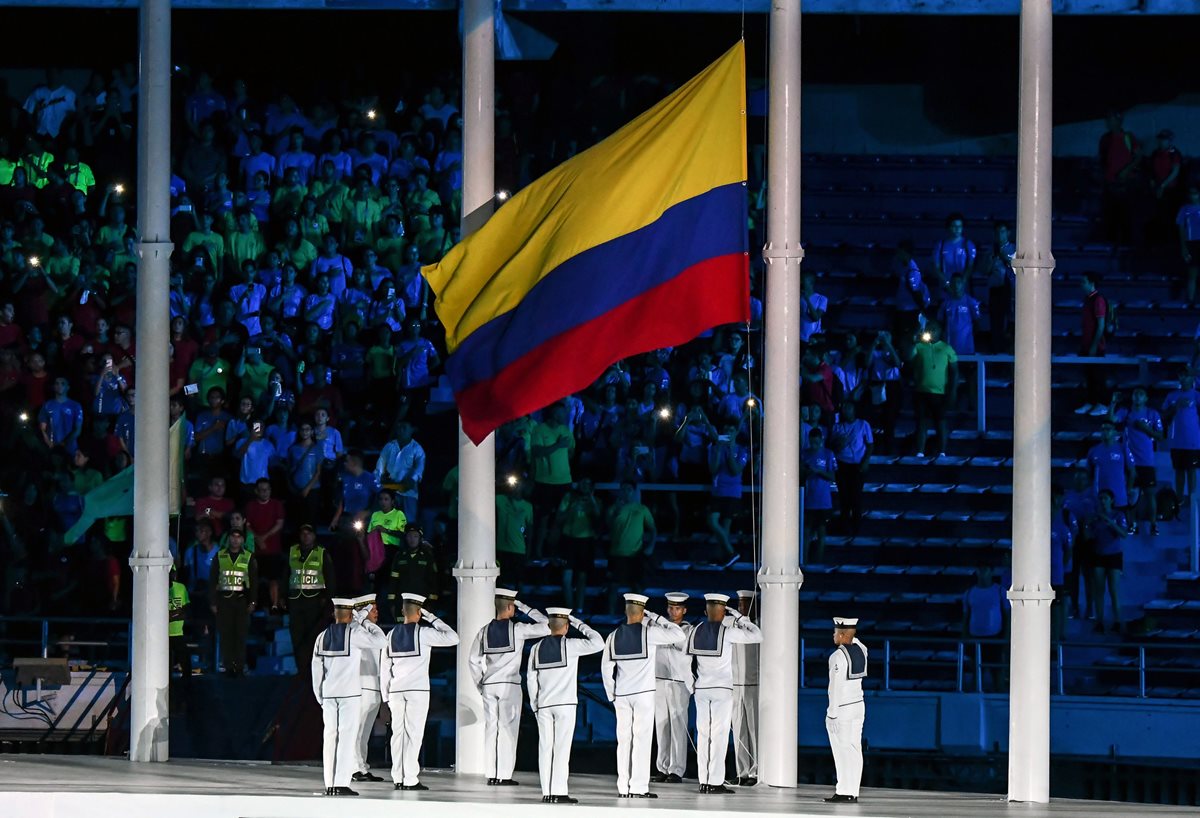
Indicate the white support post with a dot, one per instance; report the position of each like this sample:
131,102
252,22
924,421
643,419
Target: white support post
780,576
1031,594
476,570
981,396
150,674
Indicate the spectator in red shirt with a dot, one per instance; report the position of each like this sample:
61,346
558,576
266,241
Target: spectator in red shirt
1119,154
1166,164
216,507
36,382
1092,345
10,333
264,517
817,383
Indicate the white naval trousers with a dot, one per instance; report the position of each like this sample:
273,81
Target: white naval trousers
339,750
556,731
368,712
501,722
671,725
845,739
714,713
409,711
745,730
635,730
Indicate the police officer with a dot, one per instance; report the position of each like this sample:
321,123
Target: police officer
672,695
337,684
177,604
627,668
711,645
553,679
745,699
495,662
310,577
365,611
234,576
404,680
414,570
846,711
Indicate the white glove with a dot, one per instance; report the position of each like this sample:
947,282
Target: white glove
427,615
521,606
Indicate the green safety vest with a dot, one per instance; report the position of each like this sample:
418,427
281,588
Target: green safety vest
307,573
178,598
234,574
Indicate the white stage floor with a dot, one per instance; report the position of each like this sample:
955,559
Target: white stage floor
94,787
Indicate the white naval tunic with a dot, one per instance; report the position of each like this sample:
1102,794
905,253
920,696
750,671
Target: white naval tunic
371,699
404,680
745,709
336,665
627,667
712,647
672,695
845,714
495,664
552,676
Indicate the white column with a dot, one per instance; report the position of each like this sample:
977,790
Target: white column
151,559
780,577
476,570
1031,594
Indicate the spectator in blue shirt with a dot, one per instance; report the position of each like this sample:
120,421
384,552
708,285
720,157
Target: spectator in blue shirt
1188,221
1081,500
954,254
1112,465
110,389
1109,527
958,315
852,442
210,426
727,460
356,489
304,462
254,453
819,466
1143,426
61,419
1064,530
124,426
1180,414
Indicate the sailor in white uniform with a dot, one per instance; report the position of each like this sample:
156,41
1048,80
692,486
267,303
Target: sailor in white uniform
336,665
404,679
672,695
711,644
627,667
495,662
745,699
365,611
846,711
552,676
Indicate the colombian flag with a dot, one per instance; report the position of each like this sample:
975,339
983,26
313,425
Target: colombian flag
637,243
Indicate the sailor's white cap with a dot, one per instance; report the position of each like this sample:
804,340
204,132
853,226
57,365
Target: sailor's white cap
841,622
558,611
417,598
677,597
342,602
637,599
505,593
363,601
722,598
747,594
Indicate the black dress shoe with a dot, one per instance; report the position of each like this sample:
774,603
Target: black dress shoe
493,782
563,799
624,795
417,786
673,779
659,778
329,790
643,795
546,799
343,791
507,782
747,781
842,799
360,777
397,786
717,789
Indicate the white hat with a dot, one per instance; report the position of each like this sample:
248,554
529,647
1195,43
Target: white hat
342,602
417,598
839,622
558,611
364,600
677,597
722,598
505,593
747,594
637,599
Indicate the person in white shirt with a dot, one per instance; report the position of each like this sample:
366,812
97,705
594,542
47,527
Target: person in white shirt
628,671
813,307
495,663
672,694
553,679
404,679
337,684
365,610
846,711
745,699
711,645
402,464
49,105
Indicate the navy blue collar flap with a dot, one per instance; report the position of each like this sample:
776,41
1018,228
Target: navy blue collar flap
707,639
629,642
857,658
336,640
405,640
500,636
550,652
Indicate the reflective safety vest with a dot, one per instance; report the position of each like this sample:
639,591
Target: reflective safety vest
176,602
234,573
307,573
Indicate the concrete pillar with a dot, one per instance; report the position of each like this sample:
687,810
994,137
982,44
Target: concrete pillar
476,570
151,559
780,576
1031,594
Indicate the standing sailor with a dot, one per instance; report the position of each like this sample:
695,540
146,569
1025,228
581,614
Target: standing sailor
627,668
404,679
336,664
844,717
745,699
553,679
711,643
672,695
496,668
366,614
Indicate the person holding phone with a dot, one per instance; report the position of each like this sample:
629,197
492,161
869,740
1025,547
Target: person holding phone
935,377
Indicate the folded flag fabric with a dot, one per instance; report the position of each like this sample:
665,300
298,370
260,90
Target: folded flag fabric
637,243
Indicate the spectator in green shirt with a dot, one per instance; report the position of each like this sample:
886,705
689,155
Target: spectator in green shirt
578,519
210,371
935,377
514,521
551,447
389,519
630,529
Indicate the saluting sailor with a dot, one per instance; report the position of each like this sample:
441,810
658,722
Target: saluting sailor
627,668
745,699
672,695
844,717
553,676
495,662
336,665
711,644
404,680
366,614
